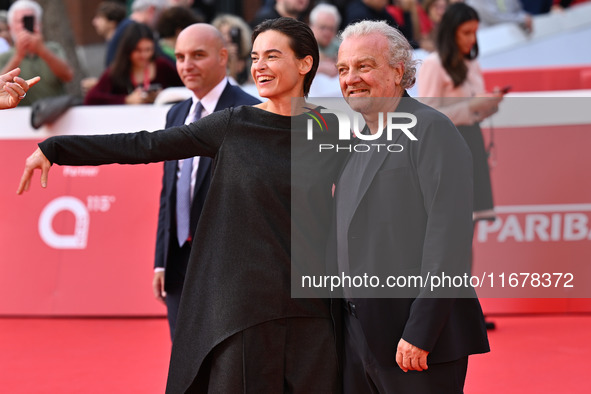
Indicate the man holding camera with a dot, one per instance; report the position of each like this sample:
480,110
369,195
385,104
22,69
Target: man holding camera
32,55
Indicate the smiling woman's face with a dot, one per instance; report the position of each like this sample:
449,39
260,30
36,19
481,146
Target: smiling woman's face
275,69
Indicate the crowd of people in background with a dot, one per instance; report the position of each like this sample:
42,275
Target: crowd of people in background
142,57
137,74
418,21
161,44
33,54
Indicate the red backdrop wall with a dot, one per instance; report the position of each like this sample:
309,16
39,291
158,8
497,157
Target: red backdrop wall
84,246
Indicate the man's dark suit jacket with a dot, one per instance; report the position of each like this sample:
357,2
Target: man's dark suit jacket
414,215
232,96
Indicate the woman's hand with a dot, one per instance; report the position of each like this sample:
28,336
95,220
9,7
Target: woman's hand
485,105
150,96
36,161
140,96
135,97
13,88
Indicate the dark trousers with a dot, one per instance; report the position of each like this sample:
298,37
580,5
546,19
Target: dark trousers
174,280
363,374
294,355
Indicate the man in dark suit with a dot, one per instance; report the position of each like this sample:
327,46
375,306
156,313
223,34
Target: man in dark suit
201,64
403,212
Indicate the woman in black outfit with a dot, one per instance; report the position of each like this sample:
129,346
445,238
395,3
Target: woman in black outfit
239,330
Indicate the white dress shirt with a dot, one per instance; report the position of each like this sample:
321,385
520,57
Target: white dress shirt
209,102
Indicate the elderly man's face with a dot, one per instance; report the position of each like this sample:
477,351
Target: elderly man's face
325,28
16,24
365,73
180,3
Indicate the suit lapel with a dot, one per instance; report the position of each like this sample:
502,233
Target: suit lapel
226,98
183,112
378,158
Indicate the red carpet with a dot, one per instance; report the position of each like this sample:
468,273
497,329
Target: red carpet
534,354
90,356
530,354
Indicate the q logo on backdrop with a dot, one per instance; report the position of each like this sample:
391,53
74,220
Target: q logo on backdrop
78,239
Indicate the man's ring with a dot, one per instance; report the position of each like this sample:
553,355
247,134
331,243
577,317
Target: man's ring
23,96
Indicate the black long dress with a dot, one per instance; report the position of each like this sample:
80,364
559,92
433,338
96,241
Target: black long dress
239,270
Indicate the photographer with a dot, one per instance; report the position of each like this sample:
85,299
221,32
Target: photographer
32,55
236,33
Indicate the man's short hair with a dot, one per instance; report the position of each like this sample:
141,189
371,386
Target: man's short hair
399,48
112,11
174,19
140,5
25,5
325,8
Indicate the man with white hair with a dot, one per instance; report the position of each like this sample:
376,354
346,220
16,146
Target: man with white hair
325,20
142,11
32,54
180,3
404,212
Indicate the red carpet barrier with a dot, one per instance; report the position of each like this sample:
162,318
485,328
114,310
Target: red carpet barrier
540,79
544,220
540,175
84,246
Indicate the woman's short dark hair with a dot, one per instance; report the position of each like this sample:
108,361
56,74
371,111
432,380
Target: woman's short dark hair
121,67
301,41
453,62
